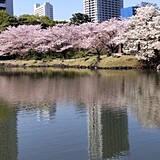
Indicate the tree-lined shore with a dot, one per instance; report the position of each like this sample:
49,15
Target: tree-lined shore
137,36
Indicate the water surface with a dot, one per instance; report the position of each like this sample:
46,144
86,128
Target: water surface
79,114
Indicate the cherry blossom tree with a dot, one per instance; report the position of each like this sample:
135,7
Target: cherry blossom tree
108,31
89,38
59,39
20,40
99,37
94,37
142,34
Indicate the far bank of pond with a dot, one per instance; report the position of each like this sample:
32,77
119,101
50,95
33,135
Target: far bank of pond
118,62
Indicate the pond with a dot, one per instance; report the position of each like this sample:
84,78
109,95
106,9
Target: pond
79,114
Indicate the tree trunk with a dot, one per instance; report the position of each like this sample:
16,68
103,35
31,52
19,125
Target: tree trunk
139,47
120,48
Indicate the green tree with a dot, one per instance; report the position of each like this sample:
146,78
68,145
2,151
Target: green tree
26,19
7,20
79,18
44,21
34,20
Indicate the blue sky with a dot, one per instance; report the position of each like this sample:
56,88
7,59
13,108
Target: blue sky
63,9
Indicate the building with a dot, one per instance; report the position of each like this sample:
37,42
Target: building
44,10
101,10
7,5
128,12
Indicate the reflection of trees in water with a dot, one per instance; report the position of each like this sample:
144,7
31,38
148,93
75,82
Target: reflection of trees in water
85,89
8,133
107,133
114,88
143,93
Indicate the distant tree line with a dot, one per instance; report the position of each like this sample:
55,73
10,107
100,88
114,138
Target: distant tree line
26,19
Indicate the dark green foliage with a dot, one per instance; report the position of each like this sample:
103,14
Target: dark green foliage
80,54
26,19
60,22
79,18
44,21
74,53
33,55
8,57
40,56
6,20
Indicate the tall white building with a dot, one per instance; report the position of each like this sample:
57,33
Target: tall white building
101,10
7,5
44,10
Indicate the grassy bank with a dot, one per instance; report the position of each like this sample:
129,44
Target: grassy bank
121,62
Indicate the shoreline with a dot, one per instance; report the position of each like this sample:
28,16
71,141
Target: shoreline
106,63
62,66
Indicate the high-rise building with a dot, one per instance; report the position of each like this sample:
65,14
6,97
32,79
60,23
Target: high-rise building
44,10
101,10
7,5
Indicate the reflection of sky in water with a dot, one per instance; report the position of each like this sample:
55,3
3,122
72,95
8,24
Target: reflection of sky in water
81,115
63,137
